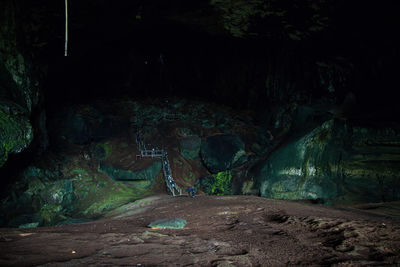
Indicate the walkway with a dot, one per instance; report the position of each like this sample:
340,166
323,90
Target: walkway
172,187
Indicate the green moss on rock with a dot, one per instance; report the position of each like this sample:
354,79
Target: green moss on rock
168,223
217,184
102,150
15,134
50,213
335,163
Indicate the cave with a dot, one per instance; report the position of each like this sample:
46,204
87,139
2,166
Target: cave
271,128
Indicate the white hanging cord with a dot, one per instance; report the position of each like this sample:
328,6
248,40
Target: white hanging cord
66,28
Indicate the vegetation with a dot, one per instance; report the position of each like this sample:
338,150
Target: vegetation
222,183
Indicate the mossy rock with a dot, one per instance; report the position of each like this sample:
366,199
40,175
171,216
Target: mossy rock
51,214
102,150
29,225
96,194
335,163
168,223
15,134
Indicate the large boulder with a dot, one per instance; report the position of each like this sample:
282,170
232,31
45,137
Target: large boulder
190,146
223,152
335,162
50,197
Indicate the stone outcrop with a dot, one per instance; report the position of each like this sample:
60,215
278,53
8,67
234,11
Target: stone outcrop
20,93
335,162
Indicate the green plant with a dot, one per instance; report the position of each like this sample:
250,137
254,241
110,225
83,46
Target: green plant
222,183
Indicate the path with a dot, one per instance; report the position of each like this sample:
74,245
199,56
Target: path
161,154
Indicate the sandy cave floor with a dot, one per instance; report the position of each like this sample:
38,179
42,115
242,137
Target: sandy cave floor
220,231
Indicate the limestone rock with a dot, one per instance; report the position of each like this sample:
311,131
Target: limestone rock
335,162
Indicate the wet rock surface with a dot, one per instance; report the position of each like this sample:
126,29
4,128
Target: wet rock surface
238,230
336,162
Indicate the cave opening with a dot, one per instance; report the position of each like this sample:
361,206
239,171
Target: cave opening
291,101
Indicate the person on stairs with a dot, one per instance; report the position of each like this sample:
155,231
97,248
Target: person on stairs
193,191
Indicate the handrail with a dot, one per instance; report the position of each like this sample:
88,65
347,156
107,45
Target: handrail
163,155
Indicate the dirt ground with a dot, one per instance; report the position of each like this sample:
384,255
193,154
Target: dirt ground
220,231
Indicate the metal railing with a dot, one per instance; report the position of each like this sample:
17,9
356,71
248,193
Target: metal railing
172,187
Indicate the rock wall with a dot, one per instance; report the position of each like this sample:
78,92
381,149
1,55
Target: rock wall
20,93
335,162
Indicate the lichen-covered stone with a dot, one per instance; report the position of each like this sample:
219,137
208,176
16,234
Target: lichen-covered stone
168,223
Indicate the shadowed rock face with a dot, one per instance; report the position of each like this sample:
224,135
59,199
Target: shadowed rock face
335,162
147,174
190,146
222,152
16,134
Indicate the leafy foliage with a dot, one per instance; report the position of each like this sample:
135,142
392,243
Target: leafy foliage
221,183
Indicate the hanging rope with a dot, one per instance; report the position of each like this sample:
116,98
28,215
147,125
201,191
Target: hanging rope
66,29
